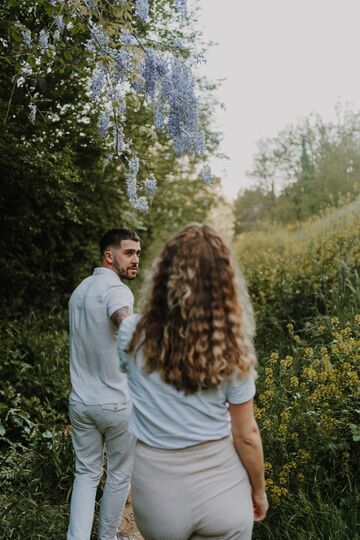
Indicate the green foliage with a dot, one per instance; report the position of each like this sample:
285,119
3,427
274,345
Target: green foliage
298,275
36,453
305,288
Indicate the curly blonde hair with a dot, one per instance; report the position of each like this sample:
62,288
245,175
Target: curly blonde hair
192,329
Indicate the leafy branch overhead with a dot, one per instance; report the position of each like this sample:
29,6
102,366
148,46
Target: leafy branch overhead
124,51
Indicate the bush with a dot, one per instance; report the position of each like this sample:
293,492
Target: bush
306,292
306,409
36,453
298,276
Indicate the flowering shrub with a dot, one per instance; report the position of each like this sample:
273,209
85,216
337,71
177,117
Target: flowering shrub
306,411
306,292
123,50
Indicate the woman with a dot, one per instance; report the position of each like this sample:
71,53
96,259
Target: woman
190,362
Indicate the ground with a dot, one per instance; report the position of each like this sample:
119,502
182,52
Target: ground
128,525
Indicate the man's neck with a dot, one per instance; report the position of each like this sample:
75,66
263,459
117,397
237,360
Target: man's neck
107,265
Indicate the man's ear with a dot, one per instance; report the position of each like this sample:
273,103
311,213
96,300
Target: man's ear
108,256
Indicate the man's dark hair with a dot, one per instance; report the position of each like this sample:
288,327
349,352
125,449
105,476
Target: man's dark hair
113,237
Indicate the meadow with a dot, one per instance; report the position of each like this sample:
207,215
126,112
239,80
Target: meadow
305,288
304,285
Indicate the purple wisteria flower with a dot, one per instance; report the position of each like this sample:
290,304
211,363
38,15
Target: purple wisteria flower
131,188
142,9
60,25
119,140
182,7
99,39
97,81
90,47
199,144
123,60
155,67
134,165
179,43
206,175
159,118
117,97
133,169
44,39
141,204
26,69
33,111
178,90
26,35
200,58
150,184
103,123
128,39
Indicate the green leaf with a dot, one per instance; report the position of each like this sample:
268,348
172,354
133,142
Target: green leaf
355,430
15,33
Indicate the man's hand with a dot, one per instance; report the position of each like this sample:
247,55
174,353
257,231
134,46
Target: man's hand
119,315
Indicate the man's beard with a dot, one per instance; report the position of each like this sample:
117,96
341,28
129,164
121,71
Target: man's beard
122,272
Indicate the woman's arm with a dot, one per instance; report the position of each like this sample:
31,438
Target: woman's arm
247,441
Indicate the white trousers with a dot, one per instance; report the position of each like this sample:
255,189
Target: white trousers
94,428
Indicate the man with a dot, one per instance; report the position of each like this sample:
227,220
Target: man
99,405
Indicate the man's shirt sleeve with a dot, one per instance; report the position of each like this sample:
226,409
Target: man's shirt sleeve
117,297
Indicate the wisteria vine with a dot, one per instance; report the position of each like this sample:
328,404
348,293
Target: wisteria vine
121,63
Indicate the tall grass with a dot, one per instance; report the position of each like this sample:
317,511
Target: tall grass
305,288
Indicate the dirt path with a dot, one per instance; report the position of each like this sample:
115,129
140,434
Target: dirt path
128,525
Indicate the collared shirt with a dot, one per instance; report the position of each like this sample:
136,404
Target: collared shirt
164,417
95,377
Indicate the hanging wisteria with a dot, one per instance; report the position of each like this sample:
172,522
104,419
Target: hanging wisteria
122,62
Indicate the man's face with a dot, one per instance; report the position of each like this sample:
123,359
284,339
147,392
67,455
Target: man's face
125,259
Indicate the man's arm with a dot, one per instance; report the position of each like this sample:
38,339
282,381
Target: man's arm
120,314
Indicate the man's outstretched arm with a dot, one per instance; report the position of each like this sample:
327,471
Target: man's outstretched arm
120,314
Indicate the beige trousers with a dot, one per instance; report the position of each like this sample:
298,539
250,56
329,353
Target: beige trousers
197,492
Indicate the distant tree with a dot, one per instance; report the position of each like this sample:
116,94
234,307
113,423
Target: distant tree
250,207
302,169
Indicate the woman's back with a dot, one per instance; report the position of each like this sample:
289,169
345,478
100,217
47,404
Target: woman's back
165,417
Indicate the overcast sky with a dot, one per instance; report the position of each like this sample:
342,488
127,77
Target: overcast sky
282,60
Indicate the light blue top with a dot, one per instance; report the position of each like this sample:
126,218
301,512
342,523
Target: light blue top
164,417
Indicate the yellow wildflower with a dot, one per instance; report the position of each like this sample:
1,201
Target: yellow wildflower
287,361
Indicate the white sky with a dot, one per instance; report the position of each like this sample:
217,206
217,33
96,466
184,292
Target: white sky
282,60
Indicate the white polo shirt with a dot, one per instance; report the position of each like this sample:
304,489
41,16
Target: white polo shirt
95,376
